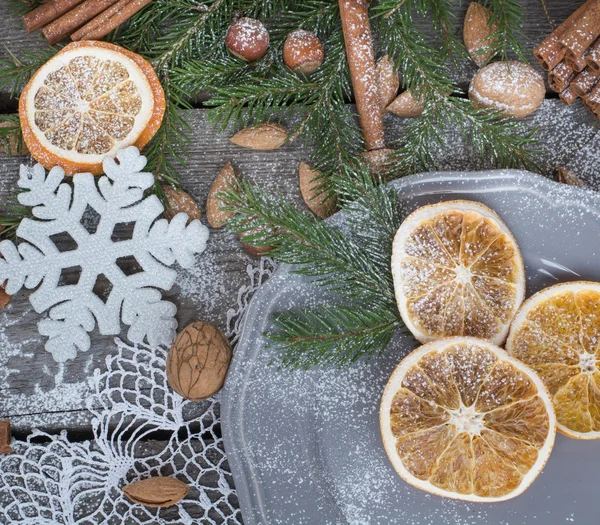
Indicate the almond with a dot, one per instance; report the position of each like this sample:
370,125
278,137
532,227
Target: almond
477,32
254,250
567,177
318,203
156,492
225,180
263,137
514,88
388,81
180,202
404,105
4,298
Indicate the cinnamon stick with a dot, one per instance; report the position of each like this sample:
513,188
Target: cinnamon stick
68,23
580,36
593,56
560,77
46,13
110,19
592,99
361,60
584,82
5,437
568,96
550,51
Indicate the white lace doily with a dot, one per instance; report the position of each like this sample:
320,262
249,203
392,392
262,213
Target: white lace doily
141,428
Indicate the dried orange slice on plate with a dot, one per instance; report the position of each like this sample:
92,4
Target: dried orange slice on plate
457,271
557,333
88,101
461,418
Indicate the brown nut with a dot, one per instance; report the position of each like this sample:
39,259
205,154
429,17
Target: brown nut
478,33
198,361
388,81
405,105
5,437
265,137
514,88
180,202
247,38
303,52
318,203
225,180
156,492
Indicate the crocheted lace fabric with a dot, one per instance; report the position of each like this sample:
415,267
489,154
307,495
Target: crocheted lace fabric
141,428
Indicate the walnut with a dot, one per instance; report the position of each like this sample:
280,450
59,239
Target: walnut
198,361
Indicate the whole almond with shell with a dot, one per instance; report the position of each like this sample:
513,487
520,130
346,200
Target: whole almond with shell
388,81
225,180
198,361
405,105
157,491
180,202
318,203
264,137
478,33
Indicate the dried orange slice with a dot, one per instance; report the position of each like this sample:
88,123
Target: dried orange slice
457,271
461,418
88,101
557,333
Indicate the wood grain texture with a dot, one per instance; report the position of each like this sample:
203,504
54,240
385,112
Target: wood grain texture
29,372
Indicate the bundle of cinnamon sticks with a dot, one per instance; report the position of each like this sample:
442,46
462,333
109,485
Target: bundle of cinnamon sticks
571,55
80,19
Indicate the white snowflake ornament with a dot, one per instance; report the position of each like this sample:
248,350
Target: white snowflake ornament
117,199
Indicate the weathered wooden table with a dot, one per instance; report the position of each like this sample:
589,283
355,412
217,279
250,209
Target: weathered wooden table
36,392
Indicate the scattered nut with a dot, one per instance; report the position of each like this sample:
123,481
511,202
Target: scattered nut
4,298
303,52
514,88
477,33
156,492
198,361
5,437
247,38
567,177
388,81
226,179
263,137
318,203
404,105
180,202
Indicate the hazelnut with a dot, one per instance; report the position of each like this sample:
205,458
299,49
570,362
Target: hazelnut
303,52
247,38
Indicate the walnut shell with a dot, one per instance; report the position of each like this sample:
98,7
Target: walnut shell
156,492
514,88
225,179
181,202
198,361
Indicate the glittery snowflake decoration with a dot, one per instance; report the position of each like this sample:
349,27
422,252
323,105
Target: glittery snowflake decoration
117,199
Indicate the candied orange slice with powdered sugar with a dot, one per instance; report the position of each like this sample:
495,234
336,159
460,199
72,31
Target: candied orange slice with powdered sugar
461,418
89,101
557,333
457,271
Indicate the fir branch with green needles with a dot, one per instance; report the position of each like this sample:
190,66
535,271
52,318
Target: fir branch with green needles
11,138
351,266
16,71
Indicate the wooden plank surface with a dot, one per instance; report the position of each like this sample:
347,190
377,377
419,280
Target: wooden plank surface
30,380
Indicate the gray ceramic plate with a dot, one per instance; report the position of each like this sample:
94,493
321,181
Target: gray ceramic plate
305,447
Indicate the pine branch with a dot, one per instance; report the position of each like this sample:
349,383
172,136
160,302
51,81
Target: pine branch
338,263
332,335
18,8
508,15
11,138
16,71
